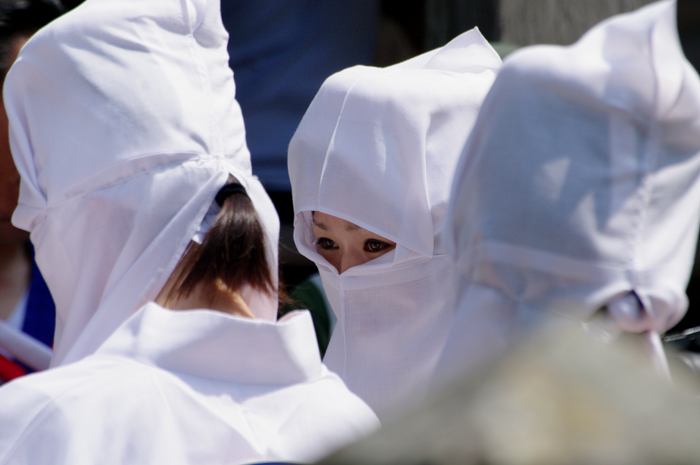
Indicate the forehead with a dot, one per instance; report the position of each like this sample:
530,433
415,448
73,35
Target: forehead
327,222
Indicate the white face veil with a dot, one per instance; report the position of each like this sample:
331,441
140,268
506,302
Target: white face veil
378,147
124,125
579,189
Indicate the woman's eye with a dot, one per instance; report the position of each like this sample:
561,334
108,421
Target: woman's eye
373,245
326,243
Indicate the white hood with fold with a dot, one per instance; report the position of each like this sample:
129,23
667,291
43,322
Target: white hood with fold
124,125
579,189
378,147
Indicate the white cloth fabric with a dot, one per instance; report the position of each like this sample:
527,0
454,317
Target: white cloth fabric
124,125
579,189
207,222
378,147
21,346
184,387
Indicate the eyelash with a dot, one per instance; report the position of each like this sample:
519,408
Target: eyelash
326,243
371,245
373,242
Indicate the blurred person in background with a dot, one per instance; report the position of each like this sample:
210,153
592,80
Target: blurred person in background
578,196
563,22
27,312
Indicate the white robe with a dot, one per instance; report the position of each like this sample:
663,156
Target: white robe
579,189
185,387
124,125
378,147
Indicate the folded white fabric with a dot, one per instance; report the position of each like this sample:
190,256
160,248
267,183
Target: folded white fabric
579,189
185,387
124,125
378,147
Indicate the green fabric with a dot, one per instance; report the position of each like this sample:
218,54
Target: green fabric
307,296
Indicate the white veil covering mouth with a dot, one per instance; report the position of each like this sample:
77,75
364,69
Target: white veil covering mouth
579,189
124,125
378,147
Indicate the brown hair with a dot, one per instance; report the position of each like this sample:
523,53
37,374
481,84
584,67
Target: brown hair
232,253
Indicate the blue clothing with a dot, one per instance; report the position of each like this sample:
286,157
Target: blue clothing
40,316
35,316
281,51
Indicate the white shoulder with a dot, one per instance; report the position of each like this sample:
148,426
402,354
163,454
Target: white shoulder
49,417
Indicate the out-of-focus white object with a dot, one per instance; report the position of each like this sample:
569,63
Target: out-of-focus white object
559,397
378,147
184,387
124,125
24,348
579,189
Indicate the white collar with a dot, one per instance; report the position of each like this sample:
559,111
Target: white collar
215,345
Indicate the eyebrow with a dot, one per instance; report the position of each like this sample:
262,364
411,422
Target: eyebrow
320,225
349,227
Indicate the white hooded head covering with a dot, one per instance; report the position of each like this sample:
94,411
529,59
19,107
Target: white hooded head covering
579,189
378,147
124,125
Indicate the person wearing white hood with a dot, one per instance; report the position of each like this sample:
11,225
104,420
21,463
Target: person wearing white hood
371,165
579,192
124,128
